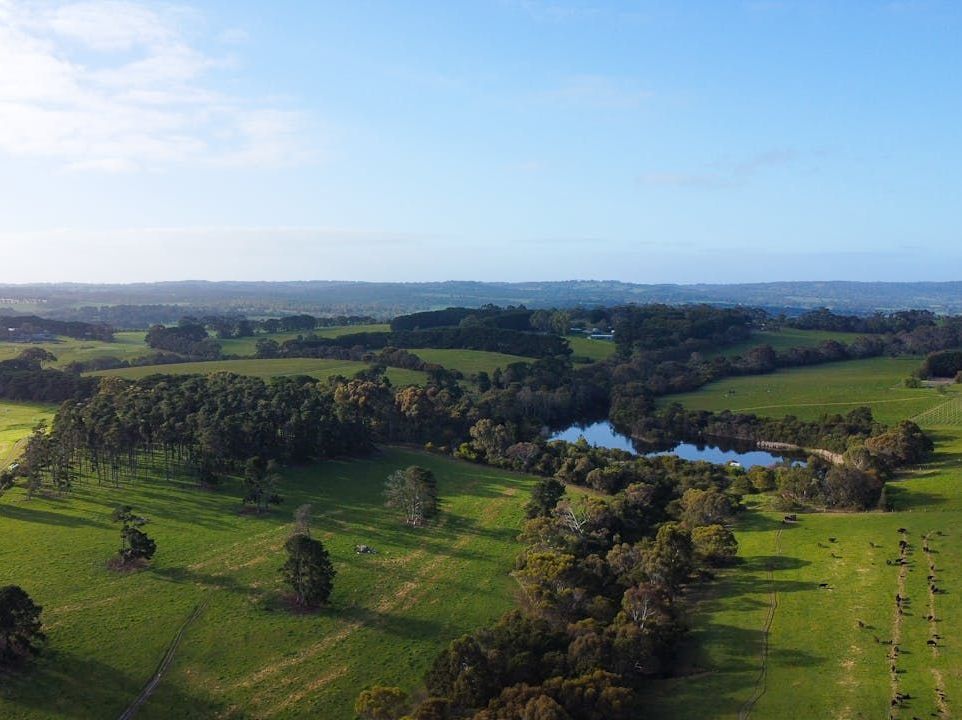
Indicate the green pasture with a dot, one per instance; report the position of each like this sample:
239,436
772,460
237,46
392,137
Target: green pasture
314,367
247,655
819,662
126,345
247,346
810,392
592,349
16,422
469,362
784,339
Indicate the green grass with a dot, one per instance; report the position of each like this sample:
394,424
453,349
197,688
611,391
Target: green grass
247,655
319,368
127,345
784,339
468,362
592,349
820,663
812,391
16,422
248,346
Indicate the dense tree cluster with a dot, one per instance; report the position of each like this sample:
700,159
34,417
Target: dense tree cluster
25,378
491,316
22,327
691,327
188,338
945,364
202,425
877,323
603,579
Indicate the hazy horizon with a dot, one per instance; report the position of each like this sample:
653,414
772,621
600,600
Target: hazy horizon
500,140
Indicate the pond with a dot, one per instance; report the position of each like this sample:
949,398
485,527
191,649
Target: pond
603,434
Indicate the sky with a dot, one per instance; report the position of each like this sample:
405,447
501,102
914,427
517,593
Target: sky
651,142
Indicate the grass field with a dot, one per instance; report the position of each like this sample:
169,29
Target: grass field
319,368
784,339
16,422
468,362
248,346
819,663
593,349
246,655
812,391
127,345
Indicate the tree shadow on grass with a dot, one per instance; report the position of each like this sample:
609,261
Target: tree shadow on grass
903,498
65,685
25,512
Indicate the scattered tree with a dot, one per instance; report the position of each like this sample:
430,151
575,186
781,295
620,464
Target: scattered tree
308,570
545,496
20,627
135,544
261,478
414,491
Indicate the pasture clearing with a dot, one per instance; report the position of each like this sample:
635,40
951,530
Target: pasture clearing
127,345
825,587
247,346
784,339
469,362
17,420
314,367
810,392
245,655
594,350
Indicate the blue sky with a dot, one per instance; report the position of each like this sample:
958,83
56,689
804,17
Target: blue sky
494,140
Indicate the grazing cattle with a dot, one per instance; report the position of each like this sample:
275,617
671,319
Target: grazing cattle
902,530
832,540
932,643
823,585
861,624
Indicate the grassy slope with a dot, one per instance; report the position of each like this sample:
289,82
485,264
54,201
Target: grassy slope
594,349
16,422
246,655
820,663
468,361
812,391
784,339
318,368
127,345
248,345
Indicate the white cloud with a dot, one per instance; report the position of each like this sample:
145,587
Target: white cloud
115,85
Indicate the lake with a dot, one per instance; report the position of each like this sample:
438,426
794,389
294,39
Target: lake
603,434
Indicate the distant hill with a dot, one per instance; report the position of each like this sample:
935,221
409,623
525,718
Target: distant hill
88,302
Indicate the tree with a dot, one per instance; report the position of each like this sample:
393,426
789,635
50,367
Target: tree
545,496
308,570
414,491
261,478
714,544
382,703
36,357
668,561
135,544
705,507
20,626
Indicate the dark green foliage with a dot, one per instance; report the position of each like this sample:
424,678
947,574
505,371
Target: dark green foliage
308,570
187,338
135,544
544,497
20,627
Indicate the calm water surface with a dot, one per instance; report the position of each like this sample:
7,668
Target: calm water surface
603,434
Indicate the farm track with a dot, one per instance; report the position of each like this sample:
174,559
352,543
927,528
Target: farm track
761,681
165,662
